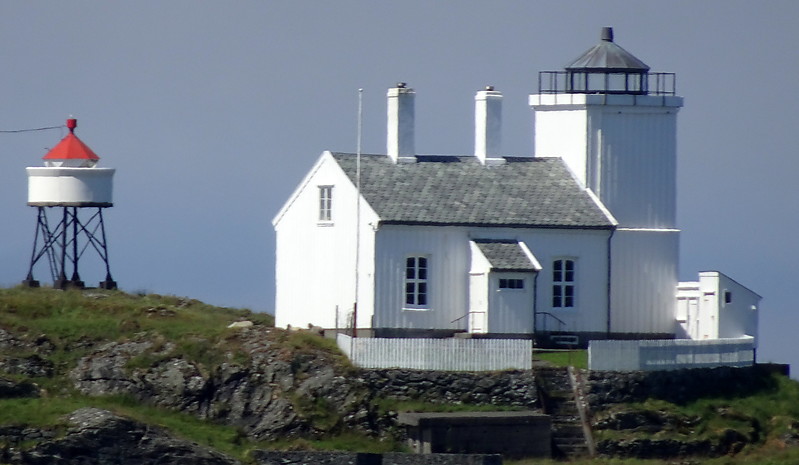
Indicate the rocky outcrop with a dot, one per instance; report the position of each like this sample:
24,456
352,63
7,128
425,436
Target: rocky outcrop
653,434
729,442
99,437
269,393
11,389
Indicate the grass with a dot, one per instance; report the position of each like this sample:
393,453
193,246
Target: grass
74,320
765,417
562,358
762,456
347,441
393,405
69,324
52,412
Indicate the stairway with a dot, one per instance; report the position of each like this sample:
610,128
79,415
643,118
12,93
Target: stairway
558,400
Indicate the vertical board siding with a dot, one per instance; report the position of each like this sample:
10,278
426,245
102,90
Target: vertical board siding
638,170
644,281
449,253
670,354
438,354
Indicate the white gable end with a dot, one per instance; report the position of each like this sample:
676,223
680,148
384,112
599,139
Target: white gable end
316,239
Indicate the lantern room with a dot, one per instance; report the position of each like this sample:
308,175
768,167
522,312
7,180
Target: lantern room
606,68
70,176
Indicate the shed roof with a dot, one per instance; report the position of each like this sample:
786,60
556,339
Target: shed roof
450,190
505,255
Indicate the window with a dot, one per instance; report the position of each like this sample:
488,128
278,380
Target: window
416,282
511,283
563,283
325,203
727,297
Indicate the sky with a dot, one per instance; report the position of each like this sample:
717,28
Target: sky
212,112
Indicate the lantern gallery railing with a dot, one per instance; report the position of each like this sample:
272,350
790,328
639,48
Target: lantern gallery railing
606,82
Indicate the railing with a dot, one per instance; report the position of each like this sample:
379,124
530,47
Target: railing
545,328
570,82
464,316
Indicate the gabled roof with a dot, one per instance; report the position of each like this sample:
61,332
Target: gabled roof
449,190
505,255
606,56
71,148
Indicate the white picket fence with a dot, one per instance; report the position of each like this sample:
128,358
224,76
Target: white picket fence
452,354
671,354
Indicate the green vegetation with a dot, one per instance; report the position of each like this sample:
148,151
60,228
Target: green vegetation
51,412
73,320
393,405
764,418
70,324
771,456
562,358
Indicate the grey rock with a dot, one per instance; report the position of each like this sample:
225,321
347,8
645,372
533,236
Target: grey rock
12,389
99,437
33,366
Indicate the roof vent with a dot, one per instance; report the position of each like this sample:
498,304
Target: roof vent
607,34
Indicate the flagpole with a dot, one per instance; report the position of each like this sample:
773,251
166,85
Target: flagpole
357,213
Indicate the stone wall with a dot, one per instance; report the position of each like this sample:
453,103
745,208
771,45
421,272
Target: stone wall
510,388
679,386
264,457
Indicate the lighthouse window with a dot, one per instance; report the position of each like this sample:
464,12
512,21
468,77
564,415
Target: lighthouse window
325,203
563,283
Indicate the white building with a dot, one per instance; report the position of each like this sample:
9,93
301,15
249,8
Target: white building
578,242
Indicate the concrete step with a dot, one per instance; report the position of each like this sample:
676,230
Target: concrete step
568,438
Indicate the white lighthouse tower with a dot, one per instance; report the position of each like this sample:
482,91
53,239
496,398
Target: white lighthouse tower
614,123
72,184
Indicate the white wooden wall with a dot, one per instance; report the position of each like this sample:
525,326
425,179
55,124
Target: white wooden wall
315,260
644,283
623,147
449,261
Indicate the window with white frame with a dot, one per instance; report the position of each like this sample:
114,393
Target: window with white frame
563,283
416,272
325,203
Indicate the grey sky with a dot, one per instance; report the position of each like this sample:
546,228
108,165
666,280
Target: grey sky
213,111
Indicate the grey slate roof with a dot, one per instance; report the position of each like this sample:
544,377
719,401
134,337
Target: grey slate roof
504,255
447,190
607,56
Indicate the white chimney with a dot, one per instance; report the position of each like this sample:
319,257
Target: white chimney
488,126
400,142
